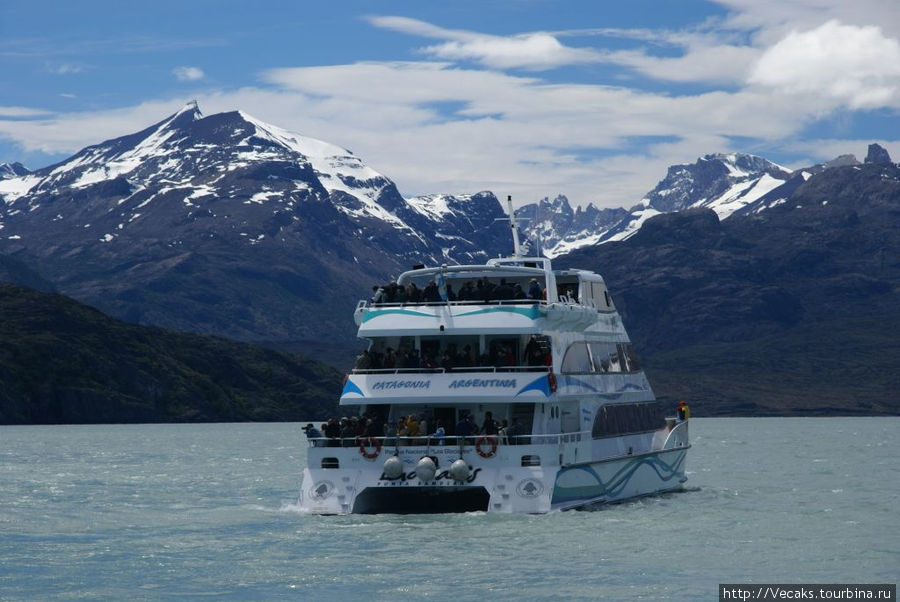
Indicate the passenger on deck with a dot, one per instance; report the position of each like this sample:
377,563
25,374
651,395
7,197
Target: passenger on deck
440,436
375,426
534,290
377,295
513,431
313,433
390,360
447,360
333,431
533,354
412,428
485,360
464,428
503,292
489,426
518,293
402,431
467,292
363,361
423,427
431,293
400,295
348,432
390,433
412,359
485,289
413,295
467,359
501,432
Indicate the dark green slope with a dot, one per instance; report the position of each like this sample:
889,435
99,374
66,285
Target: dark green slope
63,362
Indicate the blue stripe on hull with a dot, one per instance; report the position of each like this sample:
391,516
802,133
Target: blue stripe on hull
669,476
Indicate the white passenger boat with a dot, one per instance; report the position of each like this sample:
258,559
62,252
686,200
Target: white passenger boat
566,416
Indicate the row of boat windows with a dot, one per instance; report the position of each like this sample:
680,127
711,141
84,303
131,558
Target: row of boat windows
625,418
600,357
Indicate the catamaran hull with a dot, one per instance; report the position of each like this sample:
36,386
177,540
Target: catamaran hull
619,479
493,488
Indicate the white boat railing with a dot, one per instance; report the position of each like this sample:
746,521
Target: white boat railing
364,303
492,369
448,440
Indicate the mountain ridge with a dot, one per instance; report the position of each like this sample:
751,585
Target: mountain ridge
221,225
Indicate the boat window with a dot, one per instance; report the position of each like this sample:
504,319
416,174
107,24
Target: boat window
569,290
576,359
625,418
614,357
631,358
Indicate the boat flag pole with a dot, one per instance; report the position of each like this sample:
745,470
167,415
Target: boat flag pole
514,226
517,250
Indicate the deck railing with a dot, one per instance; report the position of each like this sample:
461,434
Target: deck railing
449,440
493,369
364,303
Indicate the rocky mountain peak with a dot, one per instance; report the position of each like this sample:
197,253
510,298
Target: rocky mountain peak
878,155
842,161
12,170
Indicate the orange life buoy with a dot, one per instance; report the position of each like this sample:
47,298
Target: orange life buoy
551,380
486,439
365,443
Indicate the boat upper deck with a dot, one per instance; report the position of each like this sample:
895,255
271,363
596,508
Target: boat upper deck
506,295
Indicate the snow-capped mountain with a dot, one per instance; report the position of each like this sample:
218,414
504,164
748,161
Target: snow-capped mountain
12,170
728,184
226,169
229,225
197,210
553,228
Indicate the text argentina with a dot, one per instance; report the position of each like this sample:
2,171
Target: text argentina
465,383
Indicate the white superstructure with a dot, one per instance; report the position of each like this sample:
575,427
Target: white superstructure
581,423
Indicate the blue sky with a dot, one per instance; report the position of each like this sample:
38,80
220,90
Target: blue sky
532,98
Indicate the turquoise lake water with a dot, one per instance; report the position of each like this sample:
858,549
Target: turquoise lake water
173,512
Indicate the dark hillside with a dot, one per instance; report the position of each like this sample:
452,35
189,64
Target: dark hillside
795,310
63,362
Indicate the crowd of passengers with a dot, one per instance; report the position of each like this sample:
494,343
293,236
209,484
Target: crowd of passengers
478,291
498,356
414,429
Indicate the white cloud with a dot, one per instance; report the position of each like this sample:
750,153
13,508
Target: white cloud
510,134
717,64
436,126
20,112
854,66
535,51
188,74
65,68
771,20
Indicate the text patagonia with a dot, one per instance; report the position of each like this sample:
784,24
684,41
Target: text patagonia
402,384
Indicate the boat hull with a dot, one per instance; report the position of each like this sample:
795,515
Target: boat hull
619,479
492,486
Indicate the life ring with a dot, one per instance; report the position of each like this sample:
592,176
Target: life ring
365,443
486,439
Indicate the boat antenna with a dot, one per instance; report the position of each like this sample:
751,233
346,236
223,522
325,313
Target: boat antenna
513,225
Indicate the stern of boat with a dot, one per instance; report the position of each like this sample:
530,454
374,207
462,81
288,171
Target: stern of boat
357,480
